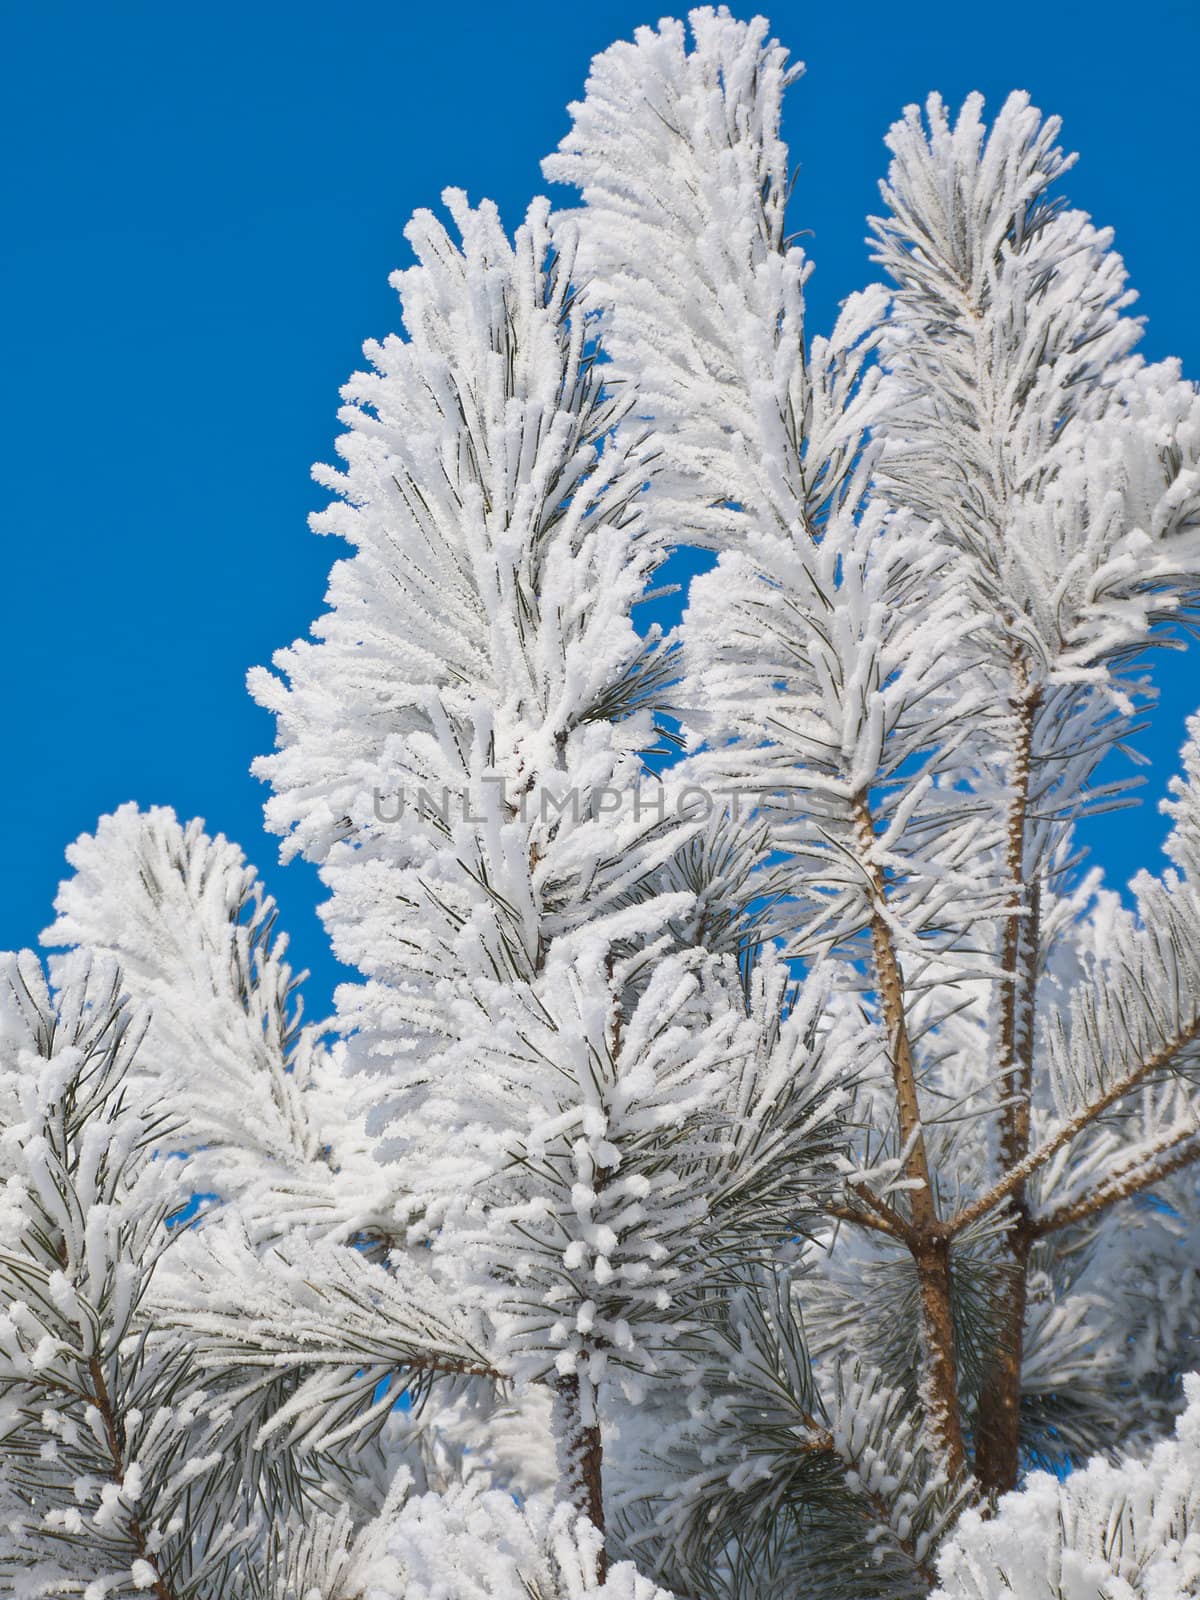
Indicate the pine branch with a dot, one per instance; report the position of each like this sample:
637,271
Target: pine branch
789,1487
1019,950
930,1248
878,1214
997,1432
113,1435
1175,1152
108,1438
1000,1191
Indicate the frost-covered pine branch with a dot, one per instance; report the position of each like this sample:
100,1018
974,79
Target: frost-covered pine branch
920,677
116,1479
752,1142
1110,1529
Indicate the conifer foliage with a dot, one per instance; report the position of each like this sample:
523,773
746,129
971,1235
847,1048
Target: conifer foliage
754,1148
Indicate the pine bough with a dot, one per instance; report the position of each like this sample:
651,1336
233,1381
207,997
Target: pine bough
742,1174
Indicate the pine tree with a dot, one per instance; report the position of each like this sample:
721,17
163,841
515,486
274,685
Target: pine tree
754,1144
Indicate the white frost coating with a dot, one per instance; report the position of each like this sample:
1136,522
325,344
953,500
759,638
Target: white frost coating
1128,1530
471,1546
468,1543
684,177
193,931
125,1433
671,1191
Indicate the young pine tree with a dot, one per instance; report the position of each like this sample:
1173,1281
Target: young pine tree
754,1143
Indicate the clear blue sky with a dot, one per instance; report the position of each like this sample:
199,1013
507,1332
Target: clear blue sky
201,207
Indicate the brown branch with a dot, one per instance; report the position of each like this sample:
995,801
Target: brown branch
452,1367
1134,1178
900,1053
1000,1191
926,1238
878,1215
268,1355
581,1458
864,1219
998,1426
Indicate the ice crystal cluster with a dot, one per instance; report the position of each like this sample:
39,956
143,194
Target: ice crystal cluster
755,1158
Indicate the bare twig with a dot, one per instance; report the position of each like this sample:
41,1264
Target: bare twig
877,1214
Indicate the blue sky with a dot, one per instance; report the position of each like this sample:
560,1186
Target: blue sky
202,204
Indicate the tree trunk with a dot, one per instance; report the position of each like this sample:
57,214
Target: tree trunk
998,1433
941,1358
931,1251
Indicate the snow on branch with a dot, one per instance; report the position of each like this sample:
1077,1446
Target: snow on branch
1063,469
194,932
709,1183
684,178
112,1476
353,1335
1111,1528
